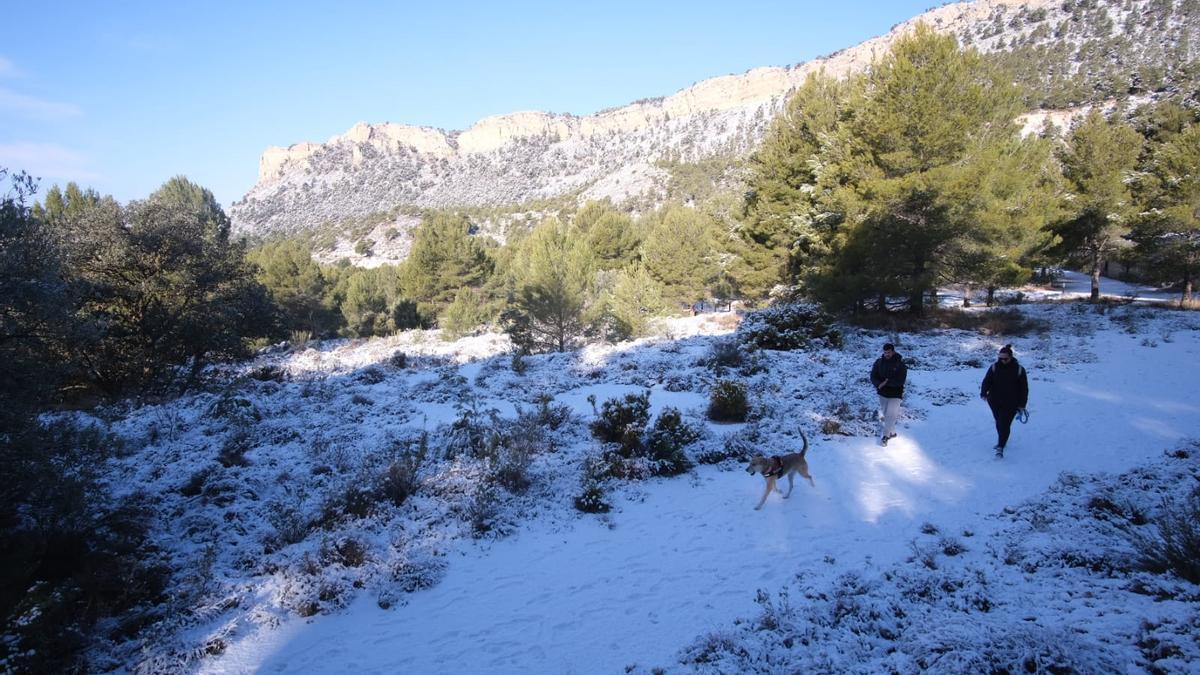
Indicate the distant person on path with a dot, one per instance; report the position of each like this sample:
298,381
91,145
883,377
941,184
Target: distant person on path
888,375
1006,390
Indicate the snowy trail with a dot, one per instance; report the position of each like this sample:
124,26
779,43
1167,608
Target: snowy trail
688,558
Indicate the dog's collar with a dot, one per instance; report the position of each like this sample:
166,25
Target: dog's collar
776,467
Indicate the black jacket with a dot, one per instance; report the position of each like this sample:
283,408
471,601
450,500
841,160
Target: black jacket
894,371
1005,385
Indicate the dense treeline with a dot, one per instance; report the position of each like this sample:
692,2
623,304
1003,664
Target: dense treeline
869,192
97,298
914,176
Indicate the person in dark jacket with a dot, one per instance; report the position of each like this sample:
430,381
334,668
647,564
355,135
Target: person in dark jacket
888,375
1006,390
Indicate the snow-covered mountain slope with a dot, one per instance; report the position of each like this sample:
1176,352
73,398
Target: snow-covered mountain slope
1115,47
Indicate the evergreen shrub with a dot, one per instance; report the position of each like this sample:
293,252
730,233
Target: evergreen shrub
666,440
621,420
790,326
728,402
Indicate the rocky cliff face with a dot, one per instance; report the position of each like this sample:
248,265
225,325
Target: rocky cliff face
524,156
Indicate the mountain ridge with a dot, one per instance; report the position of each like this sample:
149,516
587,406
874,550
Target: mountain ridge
616,153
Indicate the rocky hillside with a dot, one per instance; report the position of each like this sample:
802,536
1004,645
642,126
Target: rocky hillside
1068,52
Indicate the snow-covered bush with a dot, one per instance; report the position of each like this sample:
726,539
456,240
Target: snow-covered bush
790,326
724,354
372,375
738,446
1174,544
621,420
473,432
728,402
230,409
400,480
234,448
666,440
591,498
398,360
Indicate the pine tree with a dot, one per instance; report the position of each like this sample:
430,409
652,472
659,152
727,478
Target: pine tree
157,284
444,258
465,314
1169,230
1098,158
34,311
630,301
1011,196
680,251
296,284
929,112
887,205
553,273
781,217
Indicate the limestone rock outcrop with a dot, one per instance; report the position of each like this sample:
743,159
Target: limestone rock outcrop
523,156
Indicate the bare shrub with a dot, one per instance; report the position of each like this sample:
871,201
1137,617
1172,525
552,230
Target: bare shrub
290,522
344,551
511,463
548,414
473,432
372,375
400,480
724,354
484,513
1173,545
234,448
951,546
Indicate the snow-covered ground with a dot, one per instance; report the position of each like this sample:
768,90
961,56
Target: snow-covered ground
682,574
1077,284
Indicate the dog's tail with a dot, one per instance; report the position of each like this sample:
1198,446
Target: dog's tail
805,448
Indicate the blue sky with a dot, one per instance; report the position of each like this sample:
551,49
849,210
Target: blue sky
122,96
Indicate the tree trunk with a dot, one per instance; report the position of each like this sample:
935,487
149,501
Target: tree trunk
967,295
933,297
916,295
991,296
1096,263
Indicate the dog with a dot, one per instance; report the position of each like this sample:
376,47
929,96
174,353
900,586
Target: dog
772,468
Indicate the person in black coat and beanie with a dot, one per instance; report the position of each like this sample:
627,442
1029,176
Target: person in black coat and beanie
888,375
1006,390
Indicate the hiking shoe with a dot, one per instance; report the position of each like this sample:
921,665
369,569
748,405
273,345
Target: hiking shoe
892,435
999,451
884,440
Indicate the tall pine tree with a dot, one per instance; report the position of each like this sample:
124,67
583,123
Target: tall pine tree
552,275
444,258
1168,231
1098,158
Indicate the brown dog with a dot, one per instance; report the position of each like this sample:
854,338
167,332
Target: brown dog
772,468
